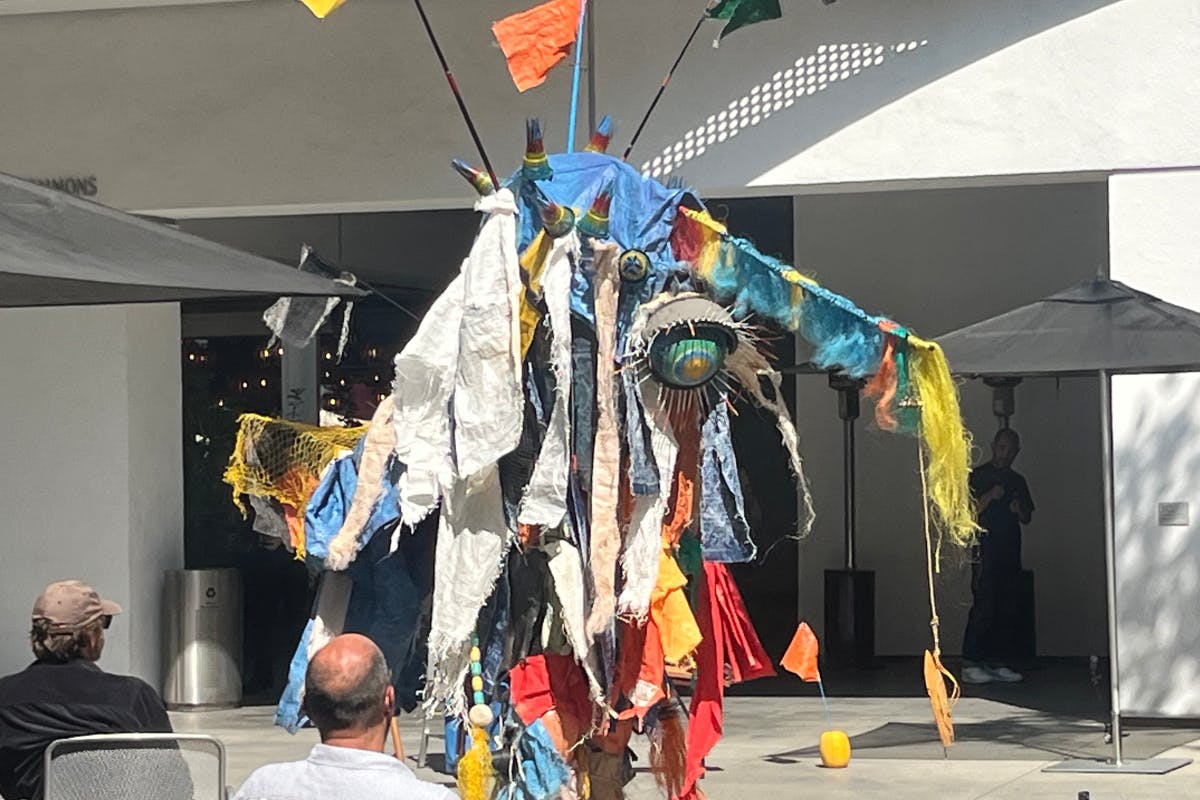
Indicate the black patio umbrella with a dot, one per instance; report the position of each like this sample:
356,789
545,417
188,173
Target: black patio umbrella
1097,327
58,250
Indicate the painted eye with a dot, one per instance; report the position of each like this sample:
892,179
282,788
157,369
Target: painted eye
634,266
686,339
689,356
686,363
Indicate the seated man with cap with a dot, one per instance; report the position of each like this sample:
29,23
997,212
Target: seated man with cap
63,693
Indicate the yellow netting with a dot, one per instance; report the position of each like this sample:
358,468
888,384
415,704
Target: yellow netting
283,459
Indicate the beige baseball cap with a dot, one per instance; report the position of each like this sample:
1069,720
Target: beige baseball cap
71,605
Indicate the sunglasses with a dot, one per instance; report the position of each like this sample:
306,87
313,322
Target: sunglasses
105,621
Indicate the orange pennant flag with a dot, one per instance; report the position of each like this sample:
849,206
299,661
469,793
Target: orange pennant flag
801,655
535,40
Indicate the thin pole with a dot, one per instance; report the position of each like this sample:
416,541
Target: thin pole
799,514
663,87
575,77
1110,555
462,106
824,704
591,68
848,464
397,745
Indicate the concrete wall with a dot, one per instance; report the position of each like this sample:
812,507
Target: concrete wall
1155,239
226,108
92,485
939,260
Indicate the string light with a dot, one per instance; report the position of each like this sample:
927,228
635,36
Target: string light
263,383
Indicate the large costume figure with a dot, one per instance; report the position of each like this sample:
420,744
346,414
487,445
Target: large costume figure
563,417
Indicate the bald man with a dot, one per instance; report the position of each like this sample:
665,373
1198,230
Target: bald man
349,697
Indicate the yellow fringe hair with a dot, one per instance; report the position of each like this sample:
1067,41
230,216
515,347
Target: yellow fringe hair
947,442
475,768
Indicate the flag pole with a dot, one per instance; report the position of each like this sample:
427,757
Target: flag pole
591,67
575,77
462,106
663,86
824,702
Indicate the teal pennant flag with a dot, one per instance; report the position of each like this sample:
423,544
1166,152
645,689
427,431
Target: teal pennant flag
740,13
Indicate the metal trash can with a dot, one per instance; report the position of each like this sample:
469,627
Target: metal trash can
203,637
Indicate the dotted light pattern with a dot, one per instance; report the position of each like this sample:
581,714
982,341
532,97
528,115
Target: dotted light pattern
807,76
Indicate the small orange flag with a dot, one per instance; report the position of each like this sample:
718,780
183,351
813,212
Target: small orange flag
801,655
535,40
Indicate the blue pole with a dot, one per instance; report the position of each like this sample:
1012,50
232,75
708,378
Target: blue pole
824,703
575,78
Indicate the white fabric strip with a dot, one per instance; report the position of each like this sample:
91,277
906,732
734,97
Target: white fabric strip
643,543
488,399
472,539
606,455
380,439
425,371
566,567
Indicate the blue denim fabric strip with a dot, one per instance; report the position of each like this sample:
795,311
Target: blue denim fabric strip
391,603
724,532
287,713
583,405
643,471
543,773
494,618
326,510
578,533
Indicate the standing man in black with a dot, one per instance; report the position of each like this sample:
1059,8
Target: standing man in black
1003,505
63,693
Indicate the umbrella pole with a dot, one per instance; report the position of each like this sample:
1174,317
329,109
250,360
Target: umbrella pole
1137,766
1110,557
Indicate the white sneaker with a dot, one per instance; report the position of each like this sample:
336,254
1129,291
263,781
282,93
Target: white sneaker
1006,675
977,675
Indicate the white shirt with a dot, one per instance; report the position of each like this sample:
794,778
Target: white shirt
340,772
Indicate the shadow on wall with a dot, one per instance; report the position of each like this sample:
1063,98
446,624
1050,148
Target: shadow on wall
817,72
864,59
1158,566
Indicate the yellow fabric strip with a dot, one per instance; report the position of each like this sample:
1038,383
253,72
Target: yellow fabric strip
669,608
533,262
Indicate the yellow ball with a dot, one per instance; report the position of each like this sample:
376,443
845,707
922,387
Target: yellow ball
477,683
474,653
835,749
